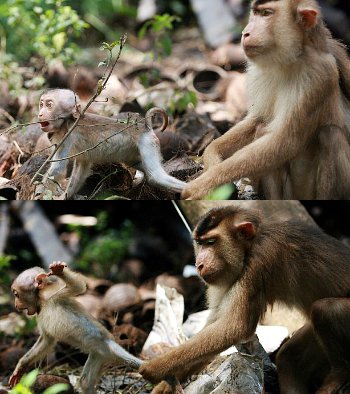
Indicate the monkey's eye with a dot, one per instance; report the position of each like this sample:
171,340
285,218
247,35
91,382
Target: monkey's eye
49,104
15,293
266,12
209,241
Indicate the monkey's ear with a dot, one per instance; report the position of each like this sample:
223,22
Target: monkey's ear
246,230
308,17
39,281
77,111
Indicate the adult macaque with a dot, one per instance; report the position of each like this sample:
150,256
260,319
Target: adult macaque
248,263
136,145
62,319
294,141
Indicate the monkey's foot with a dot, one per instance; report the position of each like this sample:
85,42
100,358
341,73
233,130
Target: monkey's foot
15,378
165,388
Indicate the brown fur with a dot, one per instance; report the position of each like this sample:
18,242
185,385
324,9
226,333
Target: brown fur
299,86
100,140
249,263
62,319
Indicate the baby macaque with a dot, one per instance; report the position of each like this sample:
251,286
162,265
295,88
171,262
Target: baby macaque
102,140
62,319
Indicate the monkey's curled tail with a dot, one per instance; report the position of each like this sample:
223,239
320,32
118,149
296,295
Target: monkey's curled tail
149,115
123,356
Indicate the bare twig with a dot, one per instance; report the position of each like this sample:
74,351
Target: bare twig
98,144
16,126
7,115
21,153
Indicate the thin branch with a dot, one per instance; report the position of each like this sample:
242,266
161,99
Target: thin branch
7,115
21,153
98,144
16,126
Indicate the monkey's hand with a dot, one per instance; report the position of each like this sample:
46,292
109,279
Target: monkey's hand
167,388
157,370
15,378
57,267
197,189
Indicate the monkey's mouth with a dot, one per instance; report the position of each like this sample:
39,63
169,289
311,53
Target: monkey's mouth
44,124
28,311
209,277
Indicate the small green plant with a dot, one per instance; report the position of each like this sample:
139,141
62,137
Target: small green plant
45,28
181,101
27,381
160,27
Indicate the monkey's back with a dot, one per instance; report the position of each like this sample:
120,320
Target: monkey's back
107,140
67,321
300,264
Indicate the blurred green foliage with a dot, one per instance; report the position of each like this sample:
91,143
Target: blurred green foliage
27,381
223,192
27,329
160,27
5,261
109,18
109,248
45,28
103,8
181,100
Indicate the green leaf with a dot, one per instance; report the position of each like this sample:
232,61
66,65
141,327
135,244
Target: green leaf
56,388
167,45
59,40
29,379
142,31
221,193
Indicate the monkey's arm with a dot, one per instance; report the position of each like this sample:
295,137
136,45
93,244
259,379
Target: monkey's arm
181,360
40,349
79,174
237,322
75,282
283,140
58,169
234,139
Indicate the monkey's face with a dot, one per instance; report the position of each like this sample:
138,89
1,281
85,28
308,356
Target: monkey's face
55,107
25,291
221,241
219,260
25,300
257,37
49,114
276,30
